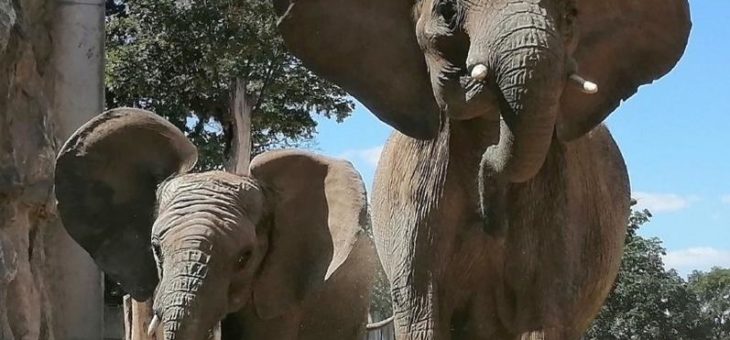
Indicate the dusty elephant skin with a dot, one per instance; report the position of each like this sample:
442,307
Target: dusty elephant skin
500,205
282,253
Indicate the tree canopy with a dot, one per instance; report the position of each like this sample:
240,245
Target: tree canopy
650,302
647,302
713,291
178,58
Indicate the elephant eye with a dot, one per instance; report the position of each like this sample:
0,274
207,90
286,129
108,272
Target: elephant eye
448,11
570,14
243,259
569,21
156,251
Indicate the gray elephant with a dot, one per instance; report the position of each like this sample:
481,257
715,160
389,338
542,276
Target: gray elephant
500,205
282,252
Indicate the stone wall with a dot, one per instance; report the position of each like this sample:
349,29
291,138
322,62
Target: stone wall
33,267
26,165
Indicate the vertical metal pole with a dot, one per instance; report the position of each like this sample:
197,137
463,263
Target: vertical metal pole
78,59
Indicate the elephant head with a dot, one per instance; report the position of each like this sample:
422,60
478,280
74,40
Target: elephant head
214,241
417,63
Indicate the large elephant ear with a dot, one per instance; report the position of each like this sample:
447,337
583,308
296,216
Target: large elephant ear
106,179
369,48
623,44
318,212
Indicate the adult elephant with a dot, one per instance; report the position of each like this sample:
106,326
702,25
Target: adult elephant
500,205
283,251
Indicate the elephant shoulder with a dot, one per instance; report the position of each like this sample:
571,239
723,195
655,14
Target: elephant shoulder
596,159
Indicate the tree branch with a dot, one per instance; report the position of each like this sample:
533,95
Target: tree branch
273,69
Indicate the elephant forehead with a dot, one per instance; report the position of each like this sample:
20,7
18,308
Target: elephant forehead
218,186
217,181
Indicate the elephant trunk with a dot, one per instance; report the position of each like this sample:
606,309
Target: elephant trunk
184,294
525,51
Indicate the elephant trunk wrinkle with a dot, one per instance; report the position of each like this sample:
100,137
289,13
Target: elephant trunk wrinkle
528,67
194,206
186,273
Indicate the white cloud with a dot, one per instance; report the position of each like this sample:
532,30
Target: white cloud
725,199
698,258
660,202
369,155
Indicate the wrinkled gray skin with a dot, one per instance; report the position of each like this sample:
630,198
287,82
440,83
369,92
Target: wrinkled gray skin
523,45
207,251
548,270
205,245
281,253
555,212
500,204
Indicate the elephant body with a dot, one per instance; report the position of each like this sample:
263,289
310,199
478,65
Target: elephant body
501,202
281,252
549,272
337,311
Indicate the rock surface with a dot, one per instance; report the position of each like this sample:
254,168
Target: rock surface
27,152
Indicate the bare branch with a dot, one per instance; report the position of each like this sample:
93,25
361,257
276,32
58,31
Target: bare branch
273,69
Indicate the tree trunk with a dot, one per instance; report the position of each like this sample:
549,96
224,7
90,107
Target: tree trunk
241,106
33,294
137,317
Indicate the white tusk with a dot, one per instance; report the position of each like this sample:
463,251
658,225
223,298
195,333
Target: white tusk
479,72
153,325
216,333
588,87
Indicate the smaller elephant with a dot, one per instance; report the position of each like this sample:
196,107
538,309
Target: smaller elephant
281,253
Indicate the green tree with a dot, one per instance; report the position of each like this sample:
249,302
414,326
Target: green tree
648,301
381,306
713,291
178,59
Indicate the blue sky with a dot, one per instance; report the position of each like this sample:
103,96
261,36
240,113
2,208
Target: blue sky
673,135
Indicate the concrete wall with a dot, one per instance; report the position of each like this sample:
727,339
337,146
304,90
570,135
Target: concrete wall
78,62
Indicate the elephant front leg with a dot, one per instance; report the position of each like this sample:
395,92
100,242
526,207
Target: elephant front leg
493,183
415,317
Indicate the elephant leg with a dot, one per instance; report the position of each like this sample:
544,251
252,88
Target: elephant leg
410,327
415,315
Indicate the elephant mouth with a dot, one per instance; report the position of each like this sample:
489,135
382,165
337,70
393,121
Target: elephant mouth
464,97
